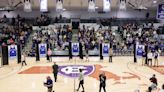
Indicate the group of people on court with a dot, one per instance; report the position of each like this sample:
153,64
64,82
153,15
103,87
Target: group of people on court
152,56
55,67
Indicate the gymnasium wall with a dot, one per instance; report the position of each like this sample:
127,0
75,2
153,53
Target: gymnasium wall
84,14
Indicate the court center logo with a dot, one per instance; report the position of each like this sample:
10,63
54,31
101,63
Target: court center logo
73,70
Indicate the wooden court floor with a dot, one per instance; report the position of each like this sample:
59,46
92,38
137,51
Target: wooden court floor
122,75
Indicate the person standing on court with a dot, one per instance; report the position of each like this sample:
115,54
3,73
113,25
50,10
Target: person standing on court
156,55
150,57
23,57
55,70
110,54
81,80
49,84
50,54
102,79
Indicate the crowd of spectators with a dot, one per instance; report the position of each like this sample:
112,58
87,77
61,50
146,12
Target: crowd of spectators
90,38
139,34
16,33
58,38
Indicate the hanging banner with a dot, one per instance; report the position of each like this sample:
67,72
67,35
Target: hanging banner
106,5
122,4
43,6
160,11
27,6
12,51
42,50
59,5
105,49
91,5
75,49
0,56
139,50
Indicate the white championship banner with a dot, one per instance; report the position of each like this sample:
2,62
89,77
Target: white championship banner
105,49
59,5
140,50
91,5
43,6
27,6
122,4
12,52
106,5
75,49
42,50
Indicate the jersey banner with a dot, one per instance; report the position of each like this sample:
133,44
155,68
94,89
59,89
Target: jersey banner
75,49
122,4
105,49
139,50
106,5
12,51
91,5
43,6
160,11
27,6
59,5
42,50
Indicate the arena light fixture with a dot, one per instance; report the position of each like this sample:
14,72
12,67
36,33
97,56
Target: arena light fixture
155,1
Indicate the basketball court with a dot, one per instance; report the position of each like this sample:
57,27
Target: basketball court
122,75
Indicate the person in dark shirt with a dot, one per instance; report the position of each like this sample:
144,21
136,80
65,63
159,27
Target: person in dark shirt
102,78
55,70
154,82
143,58
49,84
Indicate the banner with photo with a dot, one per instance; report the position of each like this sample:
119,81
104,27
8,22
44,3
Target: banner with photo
139,50
42,50
160,11
75,49
27,6
105,49
43,6
106,5
122,4
59,5
91,5
12,51
0,56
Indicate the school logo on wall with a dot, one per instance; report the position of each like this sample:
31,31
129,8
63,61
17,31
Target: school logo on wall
75,49
42,50
73,70
105,49
12,51
140,50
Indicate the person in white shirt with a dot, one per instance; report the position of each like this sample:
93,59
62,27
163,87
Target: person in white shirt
156,55
162,90
50,55
150,56
81,80
23,59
